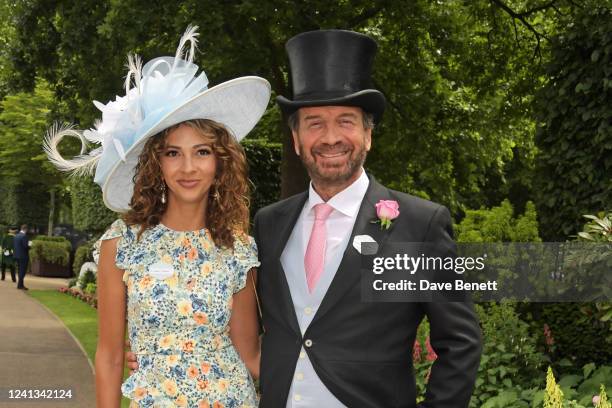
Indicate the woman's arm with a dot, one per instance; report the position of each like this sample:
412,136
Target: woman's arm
244,325
111,328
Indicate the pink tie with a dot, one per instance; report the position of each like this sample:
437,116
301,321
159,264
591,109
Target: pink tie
315,251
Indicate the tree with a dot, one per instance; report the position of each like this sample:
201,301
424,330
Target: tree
459,77
24,120
7,34
575,133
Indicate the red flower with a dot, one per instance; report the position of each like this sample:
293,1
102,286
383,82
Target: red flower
431,354
548,338
416,352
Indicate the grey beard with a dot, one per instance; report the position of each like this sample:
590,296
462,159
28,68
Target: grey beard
352,166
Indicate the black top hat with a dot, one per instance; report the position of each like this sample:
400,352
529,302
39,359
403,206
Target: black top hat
332,67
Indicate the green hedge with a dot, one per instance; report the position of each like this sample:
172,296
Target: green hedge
24,203
499,224
51,249
49,239
578,337
574,162
88,210
87,278
264,160
82,254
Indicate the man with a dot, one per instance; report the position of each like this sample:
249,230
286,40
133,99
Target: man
8,249
323,346
22,255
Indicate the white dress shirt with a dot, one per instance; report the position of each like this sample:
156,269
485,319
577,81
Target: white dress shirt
307,390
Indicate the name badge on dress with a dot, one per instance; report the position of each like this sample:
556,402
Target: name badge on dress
161,270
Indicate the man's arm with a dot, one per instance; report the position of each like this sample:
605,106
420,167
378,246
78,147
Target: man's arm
455,334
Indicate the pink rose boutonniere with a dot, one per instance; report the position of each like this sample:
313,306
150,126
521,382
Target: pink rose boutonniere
387,211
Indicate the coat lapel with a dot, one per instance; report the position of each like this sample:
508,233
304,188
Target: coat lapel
349,271
286,218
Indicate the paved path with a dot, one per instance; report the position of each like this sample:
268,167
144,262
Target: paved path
37,350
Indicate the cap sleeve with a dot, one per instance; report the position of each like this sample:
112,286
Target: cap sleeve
245,255
120,230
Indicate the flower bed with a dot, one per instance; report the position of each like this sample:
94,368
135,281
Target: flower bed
89,298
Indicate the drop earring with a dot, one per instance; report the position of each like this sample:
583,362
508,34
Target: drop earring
163,194
216,195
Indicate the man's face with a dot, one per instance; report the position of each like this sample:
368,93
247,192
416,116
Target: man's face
332,143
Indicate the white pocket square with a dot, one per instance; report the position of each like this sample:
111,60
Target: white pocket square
370,248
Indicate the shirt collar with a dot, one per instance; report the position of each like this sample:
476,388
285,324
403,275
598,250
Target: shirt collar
346,201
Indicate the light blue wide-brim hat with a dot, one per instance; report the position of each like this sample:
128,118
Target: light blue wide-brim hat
163,93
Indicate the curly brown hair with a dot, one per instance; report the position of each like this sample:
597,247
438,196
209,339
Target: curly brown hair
227,217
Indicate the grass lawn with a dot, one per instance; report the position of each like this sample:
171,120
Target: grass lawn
80,318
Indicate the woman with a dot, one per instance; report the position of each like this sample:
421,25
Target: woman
179,264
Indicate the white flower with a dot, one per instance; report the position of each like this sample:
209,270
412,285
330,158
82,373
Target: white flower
88,267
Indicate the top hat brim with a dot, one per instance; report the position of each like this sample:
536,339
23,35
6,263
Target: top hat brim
370,100
237,104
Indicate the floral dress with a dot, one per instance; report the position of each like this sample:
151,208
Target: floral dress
179,303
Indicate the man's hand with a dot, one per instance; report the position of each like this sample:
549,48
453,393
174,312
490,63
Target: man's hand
130,358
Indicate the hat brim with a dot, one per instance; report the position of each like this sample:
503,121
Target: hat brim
370,100
237,104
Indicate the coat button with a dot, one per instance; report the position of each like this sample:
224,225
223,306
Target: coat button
308,343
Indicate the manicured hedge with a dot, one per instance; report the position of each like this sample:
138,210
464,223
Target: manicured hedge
24,203
574,139
264,160
88,211
82,254
51,249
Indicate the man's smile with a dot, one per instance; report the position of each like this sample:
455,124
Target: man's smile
332,155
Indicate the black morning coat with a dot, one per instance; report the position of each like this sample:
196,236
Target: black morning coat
362,351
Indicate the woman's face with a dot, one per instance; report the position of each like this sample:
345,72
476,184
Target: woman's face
188,165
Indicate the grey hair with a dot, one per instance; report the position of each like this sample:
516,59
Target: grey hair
294,120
